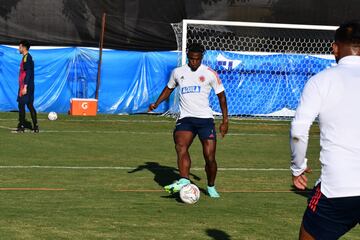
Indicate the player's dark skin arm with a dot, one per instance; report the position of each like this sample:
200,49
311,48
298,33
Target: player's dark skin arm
224,126
166,92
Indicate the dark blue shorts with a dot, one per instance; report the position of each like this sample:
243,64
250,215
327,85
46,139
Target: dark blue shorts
330,218
203,127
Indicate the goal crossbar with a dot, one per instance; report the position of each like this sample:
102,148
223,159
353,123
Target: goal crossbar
187,22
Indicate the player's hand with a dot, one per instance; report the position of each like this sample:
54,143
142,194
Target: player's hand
24,91
224,127
152,107
300,182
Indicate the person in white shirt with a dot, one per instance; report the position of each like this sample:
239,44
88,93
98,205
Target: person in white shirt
333,96
195,81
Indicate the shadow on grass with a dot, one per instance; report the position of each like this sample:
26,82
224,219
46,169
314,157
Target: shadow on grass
164,175
175,196
305,193
218,234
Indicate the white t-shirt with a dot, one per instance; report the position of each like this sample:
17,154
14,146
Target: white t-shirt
194,90
334,96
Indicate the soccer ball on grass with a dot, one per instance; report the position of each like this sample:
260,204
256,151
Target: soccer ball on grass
52,116
190,193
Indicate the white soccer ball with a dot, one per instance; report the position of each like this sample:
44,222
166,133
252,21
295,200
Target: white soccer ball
190,193
52,116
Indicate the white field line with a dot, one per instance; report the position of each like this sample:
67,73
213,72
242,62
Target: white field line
148,133
116,120
133,168
31,189
219,190
155,133
7,128
156,190
237,122
99,120
139,133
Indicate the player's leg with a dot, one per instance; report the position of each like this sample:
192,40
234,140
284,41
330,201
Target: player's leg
21,124
183,141
33,114
304,235
209,151
207,135
183,138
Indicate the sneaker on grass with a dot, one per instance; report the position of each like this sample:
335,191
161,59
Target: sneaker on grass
176,186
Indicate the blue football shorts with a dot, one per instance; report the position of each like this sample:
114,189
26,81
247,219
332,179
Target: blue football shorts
330,218
203,127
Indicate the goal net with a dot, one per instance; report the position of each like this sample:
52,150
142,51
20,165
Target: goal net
263,66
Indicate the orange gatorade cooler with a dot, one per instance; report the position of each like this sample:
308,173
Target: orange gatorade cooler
83,106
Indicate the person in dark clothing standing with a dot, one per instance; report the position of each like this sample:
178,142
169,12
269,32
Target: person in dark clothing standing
26,88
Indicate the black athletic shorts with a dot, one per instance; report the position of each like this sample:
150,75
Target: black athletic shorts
203,127
330,218
26,99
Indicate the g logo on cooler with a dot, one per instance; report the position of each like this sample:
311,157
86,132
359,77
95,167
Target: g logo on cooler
84,105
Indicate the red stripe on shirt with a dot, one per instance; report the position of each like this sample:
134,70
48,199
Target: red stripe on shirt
216,75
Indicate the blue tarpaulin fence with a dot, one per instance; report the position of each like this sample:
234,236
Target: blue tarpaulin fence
131,80
263,84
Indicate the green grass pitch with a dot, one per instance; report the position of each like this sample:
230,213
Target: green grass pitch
101,178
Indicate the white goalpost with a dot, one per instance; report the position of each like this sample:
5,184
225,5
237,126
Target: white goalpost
187,22
263,66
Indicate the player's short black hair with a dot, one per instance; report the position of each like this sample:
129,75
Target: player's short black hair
348,32
25,43
196,47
